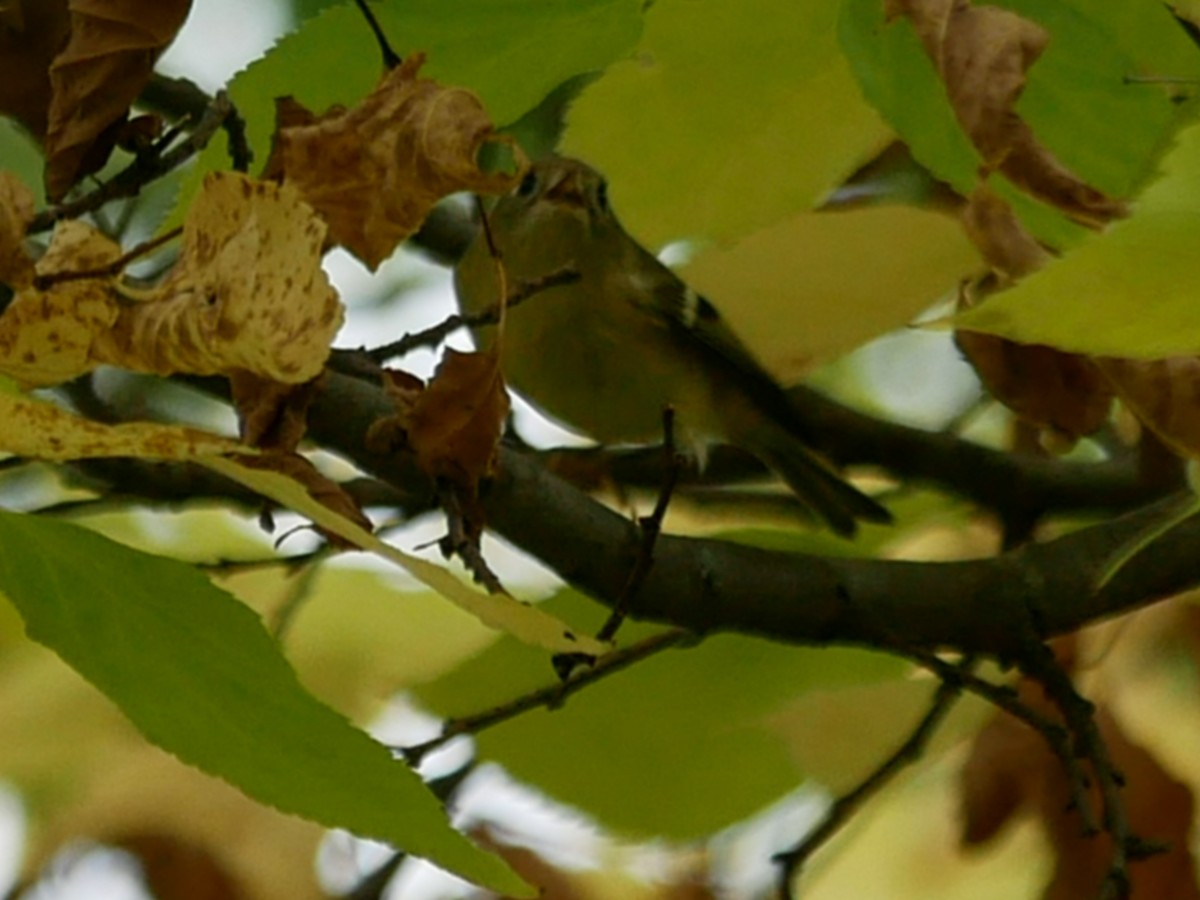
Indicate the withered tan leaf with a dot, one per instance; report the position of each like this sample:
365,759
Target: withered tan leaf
320,488
16,210
1163,394
983,54
522,620
374,171
107,61
454,426
47,337
247,294
31,428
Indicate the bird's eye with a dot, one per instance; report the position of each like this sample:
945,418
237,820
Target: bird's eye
528,185
602,196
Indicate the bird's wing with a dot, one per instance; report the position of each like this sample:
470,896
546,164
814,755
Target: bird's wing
700,329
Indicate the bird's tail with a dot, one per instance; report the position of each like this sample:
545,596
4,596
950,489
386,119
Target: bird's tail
838,503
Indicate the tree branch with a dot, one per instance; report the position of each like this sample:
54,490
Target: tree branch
986,606
1016,486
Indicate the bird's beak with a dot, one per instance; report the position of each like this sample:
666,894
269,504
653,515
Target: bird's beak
568,189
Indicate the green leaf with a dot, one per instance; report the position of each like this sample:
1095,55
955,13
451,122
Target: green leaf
1129,292
199,675
20,155
1078,101
678,745
899,80
510,54
731,117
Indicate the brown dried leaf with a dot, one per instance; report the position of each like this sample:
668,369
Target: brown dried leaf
273,415
16,210
1163,394
1044,386
176,868
31,35
47,337
388,434
994,228
982,54
248,293
454,426
107,61
1011,769
374,171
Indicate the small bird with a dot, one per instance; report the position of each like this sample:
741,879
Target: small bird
607,353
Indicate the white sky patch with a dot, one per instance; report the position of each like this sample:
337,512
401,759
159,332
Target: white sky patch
12,836
221,37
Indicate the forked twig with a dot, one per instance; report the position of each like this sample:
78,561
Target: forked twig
431,337
793,860
145,168
650,527
551,696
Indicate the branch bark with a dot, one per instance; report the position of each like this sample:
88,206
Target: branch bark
993,606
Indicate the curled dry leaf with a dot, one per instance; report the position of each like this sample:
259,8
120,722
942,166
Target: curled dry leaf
247,294
37,430
32,32
995,230
374,171
454,426
107,61
16,210
1045,387
273,415
48,337
983,54
1163,394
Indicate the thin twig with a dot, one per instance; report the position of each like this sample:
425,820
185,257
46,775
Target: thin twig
433,336
299,591
463,539
1056,736
1079,714
391,58
42,282
845,806
236,141
145,168
374,885
650,527
550,696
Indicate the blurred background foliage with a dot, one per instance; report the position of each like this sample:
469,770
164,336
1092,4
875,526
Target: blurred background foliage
748,155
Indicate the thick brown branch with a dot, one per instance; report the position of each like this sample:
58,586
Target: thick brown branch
982,606
1016,486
